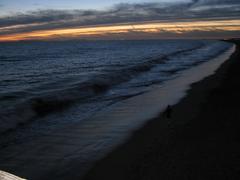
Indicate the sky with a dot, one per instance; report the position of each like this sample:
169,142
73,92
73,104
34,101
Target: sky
118,19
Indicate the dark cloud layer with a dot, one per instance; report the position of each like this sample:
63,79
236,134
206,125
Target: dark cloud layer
121,13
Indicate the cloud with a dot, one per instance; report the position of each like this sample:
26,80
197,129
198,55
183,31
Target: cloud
120,13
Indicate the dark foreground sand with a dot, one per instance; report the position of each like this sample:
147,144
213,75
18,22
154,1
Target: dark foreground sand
202,140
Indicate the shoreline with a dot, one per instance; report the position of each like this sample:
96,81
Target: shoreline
156,153
59,155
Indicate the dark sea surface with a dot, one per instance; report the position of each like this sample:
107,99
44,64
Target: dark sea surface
50,84
67,104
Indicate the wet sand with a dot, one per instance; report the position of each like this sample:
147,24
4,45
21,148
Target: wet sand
201,140
163,148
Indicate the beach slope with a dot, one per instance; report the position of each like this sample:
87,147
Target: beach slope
201,141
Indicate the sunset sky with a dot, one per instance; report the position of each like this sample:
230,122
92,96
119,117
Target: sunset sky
118,19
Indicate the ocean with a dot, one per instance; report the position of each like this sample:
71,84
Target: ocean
46,87
39,78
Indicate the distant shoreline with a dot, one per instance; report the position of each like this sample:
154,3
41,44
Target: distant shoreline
200,139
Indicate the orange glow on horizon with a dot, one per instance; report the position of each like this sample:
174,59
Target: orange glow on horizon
147,27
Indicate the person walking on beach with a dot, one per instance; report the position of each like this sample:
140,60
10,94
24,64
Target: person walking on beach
168,112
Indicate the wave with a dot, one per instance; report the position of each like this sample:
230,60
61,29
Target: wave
37,105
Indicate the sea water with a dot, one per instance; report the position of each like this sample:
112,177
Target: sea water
38,79
73,101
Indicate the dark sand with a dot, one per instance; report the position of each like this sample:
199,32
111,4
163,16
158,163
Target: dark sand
202,140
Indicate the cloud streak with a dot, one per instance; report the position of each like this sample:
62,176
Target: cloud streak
121,13
136,31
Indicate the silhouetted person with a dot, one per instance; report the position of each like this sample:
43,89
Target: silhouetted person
168,112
